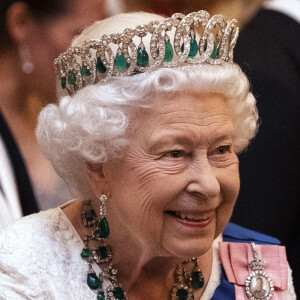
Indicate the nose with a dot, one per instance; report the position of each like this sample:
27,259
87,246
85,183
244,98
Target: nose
202,179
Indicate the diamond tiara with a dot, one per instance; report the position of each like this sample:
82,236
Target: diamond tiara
124,54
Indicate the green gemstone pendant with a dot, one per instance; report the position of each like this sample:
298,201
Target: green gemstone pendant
194,48
71,78
90,215
119,293
85,253
215,52
168,52
85,71
102,252
93,281
100,66
197,280
182,294
103,229
120,61
142,57
63,82
100,296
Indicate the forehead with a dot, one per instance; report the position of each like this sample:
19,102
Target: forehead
190,115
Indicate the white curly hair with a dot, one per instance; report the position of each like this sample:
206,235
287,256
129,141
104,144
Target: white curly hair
91,127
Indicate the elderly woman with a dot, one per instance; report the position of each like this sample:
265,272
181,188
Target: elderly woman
146,137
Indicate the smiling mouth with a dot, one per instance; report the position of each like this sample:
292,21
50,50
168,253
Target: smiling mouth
197,217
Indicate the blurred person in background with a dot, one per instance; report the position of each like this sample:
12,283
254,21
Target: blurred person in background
242,10
32,34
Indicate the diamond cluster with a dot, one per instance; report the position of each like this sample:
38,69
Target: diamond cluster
97,61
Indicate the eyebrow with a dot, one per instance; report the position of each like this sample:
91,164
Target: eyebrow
224,137
169,139
182,139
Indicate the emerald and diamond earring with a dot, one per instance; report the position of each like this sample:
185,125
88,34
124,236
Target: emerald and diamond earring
96,250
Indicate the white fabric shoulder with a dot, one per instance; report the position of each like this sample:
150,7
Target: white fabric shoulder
39,256
290,293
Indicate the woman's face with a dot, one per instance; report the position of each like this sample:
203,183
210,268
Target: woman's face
175,188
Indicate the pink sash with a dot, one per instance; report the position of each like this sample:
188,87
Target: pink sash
236,258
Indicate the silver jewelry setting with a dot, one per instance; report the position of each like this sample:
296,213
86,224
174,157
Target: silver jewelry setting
258,284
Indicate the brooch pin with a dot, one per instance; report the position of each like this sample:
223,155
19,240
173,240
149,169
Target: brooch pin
258,284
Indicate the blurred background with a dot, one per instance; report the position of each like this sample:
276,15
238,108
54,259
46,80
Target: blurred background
242,10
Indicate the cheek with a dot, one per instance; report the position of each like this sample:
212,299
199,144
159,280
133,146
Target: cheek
59,39
138,198
229,180
230,185
231,188
148,184
132,186
56,35
147,174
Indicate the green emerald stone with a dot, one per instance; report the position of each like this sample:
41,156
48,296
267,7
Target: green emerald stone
142,57
85,71
182,294
197,280
119,293
100,296
85,253
100,66
215,52
120,61
71,78
193,48
103,229
102,252
63,82
89,215
93,281
168,52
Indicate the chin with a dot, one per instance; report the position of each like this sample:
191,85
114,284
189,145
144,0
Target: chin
187,241
188,249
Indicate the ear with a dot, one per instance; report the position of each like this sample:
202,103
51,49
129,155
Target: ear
98,180
20,22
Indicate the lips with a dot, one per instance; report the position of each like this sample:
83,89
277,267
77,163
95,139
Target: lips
192,216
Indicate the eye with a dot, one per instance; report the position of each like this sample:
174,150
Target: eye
223,149
175,154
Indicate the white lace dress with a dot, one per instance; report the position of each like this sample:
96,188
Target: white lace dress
40,259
